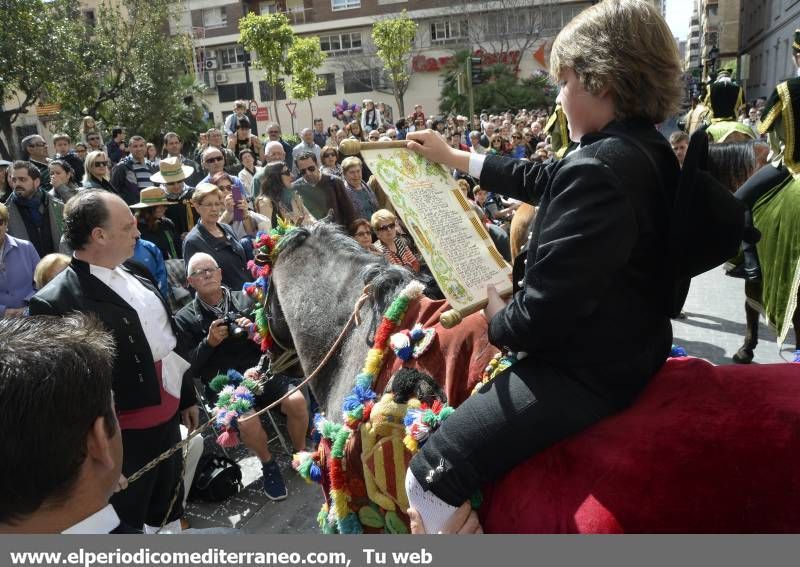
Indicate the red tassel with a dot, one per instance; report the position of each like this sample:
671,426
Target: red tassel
383,333
336,473
228,438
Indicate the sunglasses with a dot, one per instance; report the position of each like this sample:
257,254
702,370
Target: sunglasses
213,159
226,187
273,132
37,145
101,164
383,227
310,169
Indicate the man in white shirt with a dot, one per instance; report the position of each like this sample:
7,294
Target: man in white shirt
68,461
306,145
149,391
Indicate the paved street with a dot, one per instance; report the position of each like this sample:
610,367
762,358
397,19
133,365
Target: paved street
713,329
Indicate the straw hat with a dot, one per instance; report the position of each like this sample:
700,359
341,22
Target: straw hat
152,197
171,170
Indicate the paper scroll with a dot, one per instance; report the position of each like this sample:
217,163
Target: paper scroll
452,239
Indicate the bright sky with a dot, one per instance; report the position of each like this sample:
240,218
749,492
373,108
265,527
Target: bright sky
679,14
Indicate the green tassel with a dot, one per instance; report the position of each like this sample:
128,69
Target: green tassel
429,418
218,382
337,450
446,412
397,309
330,429
223,400
242,406
394,525
304,469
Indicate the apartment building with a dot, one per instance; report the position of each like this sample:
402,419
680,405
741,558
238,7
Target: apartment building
519,31
766,35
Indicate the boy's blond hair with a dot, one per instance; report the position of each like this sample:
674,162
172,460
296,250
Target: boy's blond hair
624,46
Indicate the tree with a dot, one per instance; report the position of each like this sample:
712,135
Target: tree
129,71
36,40
394,40
305,56
270,36
501,90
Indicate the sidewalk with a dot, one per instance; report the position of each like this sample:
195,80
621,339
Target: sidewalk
713,329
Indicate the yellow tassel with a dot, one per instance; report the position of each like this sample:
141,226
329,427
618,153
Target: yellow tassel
372,364
411,443
340,507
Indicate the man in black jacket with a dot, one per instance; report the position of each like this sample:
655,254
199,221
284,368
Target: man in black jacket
214,351
149,391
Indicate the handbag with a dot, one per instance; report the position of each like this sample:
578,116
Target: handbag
217,478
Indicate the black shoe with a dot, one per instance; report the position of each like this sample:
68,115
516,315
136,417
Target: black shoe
737,272
274,487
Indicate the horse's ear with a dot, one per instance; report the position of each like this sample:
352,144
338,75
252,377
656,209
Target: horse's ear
328,218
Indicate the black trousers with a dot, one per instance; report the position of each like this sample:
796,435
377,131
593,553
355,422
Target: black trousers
526,409
147,500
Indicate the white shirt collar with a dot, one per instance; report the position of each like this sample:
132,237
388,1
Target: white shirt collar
101,522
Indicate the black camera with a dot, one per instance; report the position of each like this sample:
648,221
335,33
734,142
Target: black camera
234,330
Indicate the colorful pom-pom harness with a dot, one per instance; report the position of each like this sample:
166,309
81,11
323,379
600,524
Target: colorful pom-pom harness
237,393
382,425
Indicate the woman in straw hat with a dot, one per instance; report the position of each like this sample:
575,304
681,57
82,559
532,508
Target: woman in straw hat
153,225
172,176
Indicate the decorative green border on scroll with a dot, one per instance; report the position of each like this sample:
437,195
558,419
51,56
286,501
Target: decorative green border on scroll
394,171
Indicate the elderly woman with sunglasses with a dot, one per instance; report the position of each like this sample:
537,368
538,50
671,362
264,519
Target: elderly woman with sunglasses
393,247
329,156
276,197
97,171
215,238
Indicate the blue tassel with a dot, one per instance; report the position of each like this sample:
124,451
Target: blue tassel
350,525
315,473
677,351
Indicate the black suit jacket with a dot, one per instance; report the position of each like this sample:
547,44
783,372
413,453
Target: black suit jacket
76,289
594,286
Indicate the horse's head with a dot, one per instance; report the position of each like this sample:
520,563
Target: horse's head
318,275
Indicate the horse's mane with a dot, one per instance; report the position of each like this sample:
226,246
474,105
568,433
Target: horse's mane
383,278
732,163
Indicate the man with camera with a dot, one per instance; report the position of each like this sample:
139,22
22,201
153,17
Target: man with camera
215,323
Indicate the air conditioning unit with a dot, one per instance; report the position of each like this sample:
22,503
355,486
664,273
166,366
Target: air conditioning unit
220,77
211,64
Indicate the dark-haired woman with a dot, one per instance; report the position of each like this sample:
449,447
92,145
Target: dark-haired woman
276,197
154,226
62,178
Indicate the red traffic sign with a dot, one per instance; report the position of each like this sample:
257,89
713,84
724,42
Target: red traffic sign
263,114
253,107
290,106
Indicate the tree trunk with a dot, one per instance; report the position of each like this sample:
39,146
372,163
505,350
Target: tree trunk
277,118
398,98
311,108
7,145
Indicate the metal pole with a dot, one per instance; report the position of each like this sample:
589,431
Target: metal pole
250,93
470,97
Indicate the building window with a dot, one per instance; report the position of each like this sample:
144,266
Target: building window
89,18
238,91
341,43
345,4
267,8
215,18
231,57
445,30
357,81
265,91
329,88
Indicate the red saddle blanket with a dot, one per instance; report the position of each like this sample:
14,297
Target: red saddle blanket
705,449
